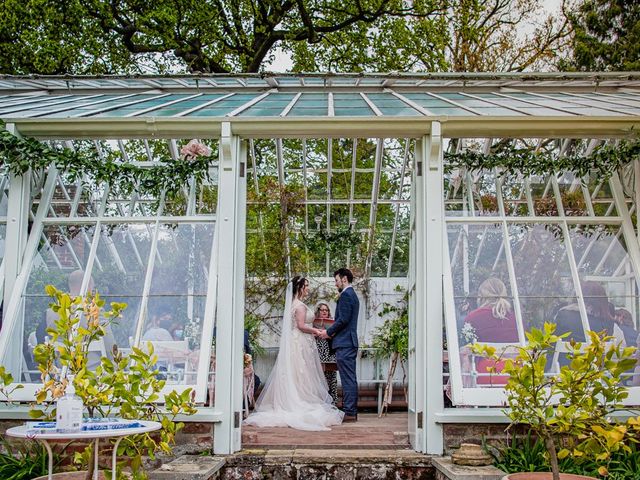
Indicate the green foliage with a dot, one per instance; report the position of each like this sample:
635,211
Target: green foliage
392,337
524,454
587,392
101,36
20,154
339,240
253,323
6,384
602,163
124,384
24,460
606,36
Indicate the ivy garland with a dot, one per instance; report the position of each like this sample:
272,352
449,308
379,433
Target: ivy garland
19,154
603,162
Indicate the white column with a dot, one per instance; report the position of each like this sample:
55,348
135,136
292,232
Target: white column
16,233
230,247
432,222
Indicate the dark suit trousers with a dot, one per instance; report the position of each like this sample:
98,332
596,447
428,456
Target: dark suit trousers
346,358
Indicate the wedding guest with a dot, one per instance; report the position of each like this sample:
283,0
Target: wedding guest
323,320
624,320
493,320
159,324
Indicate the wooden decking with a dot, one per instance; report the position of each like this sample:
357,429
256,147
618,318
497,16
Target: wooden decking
388,432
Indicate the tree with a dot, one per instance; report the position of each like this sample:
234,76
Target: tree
130,36
121,36
456,35
606,36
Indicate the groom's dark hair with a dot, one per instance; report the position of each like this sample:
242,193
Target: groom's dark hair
344,272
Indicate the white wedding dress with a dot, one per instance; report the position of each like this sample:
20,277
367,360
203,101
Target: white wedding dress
296,393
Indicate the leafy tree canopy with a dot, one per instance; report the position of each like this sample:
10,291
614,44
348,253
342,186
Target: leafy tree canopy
133,36
606,36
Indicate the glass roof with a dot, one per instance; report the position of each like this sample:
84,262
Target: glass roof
315,95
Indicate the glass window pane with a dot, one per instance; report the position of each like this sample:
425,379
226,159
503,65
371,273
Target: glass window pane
543,275
60,261
119,272
175,309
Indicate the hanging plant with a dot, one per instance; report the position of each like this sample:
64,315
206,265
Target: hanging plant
339,240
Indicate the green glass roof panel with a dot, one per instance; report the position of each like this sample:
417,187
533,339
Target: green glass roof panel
270,106
155,103
353,95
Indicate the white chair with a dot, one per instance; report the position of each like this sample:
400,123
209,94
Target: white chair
491,379
172,353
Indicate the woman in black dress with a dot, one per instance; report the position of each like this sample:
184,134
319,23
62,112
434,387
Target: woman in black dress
327,357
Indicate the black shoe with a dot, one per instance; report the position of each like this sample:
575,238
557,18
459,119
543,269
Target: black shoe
350,418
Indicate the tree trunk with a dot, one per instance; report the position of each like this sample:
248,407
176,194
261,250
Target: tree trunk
553,456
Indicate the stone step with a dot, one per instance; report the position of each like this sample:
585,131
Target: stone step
189,467
447,470
327,463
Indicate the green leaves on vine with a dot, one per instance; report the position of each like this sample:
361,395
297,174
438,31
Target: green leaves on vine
20,154
602,163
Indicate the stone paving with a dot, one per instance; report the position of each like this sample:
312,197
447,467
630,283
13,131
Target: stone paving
388,432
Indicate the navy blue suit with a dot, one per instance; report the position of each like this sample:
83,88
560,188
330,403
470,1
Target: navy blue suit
344,340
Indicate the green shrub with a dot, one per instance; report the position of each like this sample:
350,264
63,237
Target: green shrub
23,461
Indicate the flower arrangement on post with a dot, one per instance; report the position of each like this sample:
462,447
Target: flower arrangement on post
570,410
126,385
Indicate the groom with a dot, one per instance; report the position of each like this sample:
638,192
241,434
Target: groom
344,340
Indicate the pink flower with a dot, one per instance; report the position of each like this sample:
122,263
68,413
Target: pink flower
194,149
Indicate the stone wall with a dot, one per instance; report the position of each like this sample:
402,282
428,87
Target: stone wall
492,433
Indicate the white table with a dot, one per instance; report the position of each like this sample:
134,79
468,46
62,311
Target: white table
94,435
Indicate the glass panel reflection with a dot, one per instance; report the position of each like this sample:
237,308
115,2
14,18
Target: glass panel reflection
60,261
543,274
175,308
119,271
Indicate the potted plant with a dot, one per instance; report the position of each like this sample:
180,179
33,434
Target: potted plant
570,410
391,341
124,385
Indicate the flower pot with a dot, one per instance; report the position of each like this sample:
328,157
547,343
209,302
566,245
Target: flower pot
72,476
543,476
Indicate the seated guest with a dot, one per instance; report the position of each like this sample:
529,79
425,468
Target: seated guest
159,325
493,320
624,320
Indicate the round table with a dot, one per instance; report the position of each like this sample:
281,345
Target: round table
24,431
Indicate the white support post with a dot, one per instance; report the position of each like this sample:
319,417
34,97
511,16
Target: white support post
16,233
430,336
230,295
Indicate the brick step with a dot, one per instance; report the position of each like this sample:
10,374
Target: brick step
370,431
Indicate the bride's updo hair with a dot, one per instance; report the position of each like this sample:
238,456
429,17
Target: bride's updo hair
297,283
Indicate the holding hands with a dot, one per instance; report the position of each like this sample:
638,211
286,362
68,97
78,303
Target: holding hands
322,334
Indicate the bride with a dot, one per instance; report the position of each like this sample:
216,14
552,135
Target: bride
296,393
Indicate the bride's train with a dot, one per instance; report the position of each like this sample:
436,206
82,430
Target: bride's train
296,393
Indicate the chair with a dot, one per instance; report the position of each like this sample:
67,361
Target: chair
172,353
479,366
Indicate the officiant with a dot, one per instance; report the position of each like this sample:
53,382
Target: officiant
324,320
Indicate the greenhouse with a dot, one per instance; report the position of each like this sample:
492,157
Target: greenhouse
427,185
